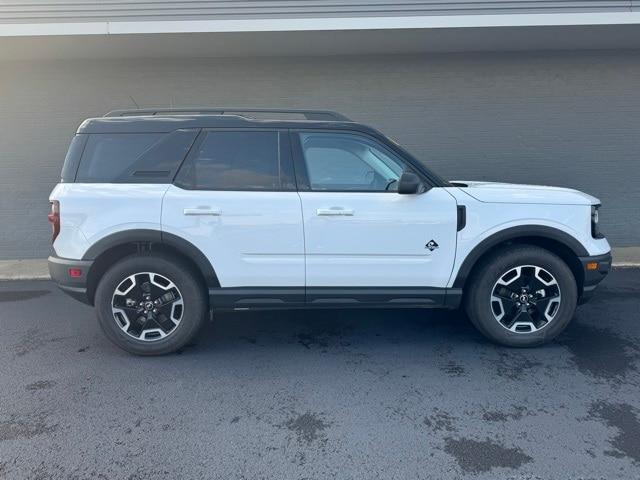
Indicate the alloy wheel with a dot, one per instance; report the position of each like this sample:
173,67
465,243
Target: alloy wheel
525,299
147,306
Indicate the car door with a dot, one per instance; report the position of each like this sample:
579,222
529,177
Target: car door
234,199
359,232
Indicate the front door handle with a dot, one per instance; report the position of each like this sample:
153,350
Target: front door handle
203,211
337,211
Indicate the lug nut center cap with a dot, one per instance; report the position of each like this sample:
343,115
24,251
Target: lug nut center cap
148,306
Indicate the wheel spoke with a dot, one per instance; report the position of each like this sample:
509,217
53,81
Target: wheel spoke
503,291
527,277
167,298
129,311
125,303
523,316
543,303
150,323
509,315
133,327
507,306
514,283
165,322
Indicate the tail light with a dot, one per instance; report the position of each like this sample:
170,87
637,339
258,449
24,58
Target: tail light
54,219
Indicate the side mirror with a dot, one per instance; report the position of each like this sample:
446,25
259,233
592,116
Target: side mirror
409,183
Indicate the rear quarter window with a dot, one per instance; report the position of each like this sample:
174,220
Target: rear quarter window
134,157
72,159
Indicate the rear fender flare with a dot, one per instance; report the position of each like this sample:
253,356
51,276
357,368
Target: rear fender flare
148,236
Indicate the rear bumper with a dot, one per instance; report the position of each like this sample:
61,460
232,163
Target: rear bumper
76,286
593,276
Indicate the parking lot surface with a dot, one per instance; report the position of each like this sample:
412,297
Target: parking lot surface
340,394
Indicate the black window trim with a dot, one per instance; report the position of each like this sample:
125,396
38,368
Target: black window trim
285,161
300,167
76,167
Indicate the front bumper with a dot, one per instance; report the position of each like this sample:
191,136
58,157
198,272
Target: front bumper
75,286
595,269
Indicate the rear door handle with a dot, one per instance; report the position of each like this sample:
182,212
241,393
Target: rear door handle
203,211
334,211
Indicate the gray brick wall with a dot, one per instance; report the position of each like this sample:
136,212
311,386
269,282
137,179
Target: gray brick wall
569,118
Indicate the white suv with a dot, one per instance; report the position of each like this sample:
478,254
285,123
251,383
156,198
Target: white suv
163,216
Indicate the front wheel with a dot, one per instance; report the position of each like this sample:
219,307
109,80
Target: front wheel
521,296
150,304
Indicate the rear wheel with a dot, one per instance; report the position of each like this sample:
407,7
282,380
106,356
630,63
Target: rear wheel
150,305
521,296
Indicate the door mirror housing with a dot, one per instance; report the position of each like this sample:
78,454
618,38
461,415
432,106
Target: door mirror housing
409,183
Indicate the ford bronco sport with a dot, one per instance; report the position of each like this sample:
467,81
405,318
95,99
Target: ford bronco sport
163,217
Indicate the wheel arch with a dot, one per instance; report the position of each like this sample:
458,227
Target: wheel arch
567,247
112,248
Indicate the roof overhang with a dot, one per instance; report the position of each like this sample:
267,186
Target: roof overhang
320,36
321,24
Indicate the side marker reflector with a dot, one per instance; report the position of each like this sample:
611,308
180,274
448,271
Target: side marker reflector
592,266
75,272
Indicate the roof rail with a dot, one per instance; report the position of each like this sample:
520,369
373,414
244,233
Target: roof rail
308,114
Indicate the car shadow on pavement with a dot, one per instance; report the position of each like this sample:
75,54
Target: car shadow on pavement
330,328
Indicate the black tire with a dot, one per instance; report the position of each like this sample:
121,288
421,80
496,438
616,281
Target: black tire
192,292
480,308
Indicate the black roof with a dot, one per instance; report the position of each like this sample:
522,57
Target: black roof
161,120
242,111
169,123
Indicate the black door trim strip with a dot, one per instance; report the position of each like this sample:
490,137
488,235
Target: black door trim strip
235,298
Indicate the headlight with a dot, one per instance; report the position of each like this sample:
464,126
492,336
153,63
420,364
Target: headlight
595,218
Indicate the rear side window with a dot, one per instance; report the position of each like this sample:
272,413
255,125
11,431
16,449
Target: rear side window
134,157
234,160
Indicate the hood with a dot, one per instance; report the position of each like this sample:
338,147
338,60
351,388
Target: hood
493,192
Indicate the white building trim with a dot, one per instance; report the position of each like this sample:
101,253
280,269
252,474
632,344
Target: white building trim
319,24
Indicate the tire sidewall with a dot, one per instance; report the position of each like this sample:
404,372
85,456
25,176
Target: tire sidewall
176,271
479,308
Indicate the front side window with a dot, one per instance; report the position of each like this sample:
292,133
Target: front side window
234,160
349,162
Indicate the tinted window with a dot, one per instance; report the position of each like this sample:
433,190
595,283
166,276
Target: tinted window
72,159
234,160
348,162
134,157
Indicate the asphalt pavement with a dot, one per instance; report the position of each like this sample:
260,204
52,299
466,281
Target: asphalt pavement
339,394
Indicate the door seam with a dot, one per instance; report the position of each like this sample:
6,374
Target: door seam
304,247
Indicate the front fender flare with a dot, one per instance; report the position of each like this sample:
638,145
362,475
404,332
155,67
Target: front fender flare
514,233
